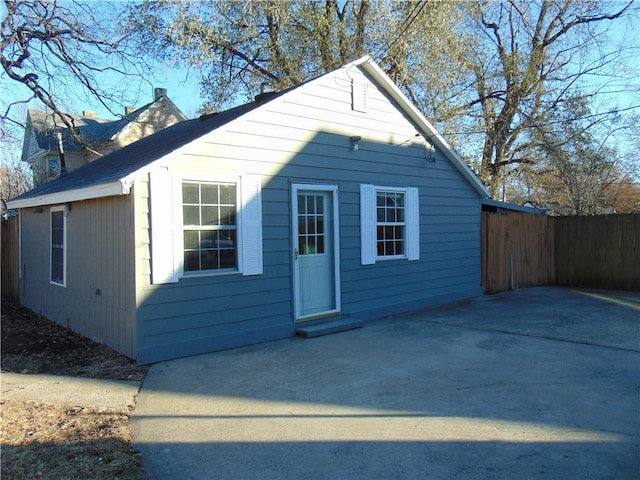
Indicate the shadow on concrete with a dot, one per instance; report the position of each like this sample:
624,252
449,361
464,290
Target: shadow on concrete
410,397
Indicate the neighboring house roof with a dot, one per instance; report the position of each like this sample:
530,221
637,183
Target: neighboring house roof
114,173
551,208
92,130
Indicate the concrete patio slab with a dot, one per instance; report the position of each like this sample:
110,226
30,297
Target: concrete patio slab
538,383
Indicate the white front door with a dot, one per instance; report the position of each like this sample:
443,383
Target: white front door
315,251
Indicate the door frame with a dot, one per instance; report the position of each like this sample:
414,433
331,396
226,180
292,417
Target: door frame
333,191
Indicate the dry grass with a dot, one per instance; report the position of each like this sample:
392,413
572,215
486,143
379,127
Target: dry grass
62,441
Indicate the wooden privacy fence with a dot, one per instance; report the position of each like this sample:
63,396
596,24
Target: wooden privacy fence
9,257
522,250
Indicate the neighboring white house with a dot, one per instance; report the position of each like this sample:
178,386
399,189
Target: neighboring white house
98,136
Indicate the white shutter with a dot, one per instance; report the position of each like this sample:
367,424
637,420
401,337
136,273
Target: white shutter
367,224
251,224
413,223
166,226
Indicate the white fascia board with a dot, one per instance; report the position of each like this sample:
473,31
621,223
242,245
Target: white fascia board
372,68
120,187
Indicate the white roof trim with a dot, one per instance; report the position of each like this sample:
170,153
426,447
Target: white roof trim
119,187
372,68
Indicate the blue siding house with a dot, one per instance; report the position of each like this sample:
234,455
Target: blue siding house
333,199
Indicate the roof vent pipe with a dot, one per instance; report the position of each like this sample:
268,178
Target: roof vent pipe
63,165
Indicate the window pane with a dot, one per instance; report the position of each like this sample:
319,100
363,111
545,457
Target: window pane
227,216
311,205
319,204
209,194
209,260
227,258
57,220
302,224
311,246
210,216
208,239
380,215
391,215
191,239
228,194
227,240
191,260
191,215
320,244
301,205
190,193
388,233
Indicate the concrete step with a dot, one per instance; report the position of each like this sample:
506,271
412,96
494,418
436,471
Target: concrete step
325,327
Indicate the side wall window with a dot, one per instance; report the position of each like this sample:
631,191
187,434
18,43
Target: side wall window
204,226
58,243
389,223
209,226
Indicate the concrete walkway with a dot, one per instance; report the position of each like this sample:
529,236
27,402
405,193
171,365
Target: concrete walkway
112,394
539,383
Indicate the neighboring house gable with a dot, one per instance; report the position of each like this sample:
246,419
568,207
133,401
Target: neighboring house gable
333,198
98,136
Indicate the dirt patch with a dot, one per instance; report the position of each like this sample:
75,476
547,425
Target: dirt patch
62,441
33,344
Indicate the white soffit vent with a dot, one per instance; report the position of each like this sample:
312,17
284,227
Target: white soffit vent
359,96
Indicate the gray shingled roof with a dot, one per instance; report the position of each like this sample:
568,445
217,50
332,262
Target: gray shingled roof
122,162
93,131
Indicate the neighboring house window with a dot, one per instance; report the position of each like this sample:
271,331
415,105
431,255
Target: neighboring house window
390,223
209,219
204,225
58,245
53,168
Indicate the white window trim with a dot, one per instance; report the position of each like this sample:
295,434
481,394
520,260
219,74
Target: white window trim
167,241
63,209
368,223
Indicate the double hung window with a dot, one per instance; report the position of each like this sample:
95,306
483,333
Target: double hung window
58,241
209,226
390,223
